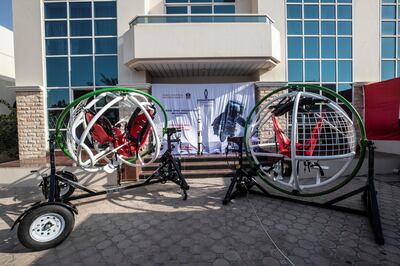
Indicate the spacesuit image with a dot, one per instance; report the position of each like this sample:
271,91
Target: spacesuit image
225,124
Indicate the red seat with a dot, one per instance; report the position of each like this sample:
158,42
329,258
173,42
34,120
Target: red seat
135,136
284,141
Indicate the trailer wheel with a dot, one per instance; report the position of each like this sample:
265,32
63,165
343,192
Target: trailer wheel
66,190
45,227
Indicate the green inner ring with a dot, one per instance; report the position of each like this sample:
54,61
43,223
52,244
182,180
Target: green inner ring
363,140
63,115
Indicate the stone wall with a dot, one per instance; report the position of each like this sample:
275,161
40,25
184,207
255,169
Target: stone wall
31,126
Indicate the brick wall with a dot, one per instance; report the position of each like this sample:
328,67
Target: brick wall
31,126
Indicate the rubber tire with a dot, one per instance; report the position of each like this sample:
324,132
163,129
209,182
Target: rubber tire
24,226
69,176
71,189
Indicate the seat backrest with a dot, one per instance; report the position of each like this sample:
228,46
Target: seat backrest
102,130
138,127
312,142
283,140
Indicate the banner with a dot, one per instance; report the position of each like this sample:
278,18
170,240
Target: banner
220,110
382,110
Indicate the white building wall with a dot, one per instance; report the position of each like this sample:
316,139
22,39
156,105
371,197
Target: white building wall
276,10
7,68
366,40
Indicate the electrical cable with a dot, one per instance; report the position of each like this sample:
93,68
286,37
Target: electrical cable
265,230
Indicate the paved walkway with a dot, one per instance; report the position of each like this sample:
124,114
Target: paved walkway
153,226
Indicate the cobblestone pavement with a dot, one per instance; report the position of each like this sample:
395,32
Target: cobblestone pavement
153,226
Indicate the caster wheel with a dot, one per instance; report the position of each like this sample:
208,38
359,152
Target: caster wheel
66,190
45,227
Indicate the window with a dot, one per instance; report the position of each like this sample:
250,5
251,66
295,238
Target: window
319,43
81,46
80,10
106,45
105,9
75,61
55,10
198,7
80,27
105,27
82,71
56,47
390,38
106,70
57,98
55,28
57,71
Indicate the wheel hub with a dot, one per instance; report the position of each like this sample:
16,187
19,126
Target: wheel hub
47,227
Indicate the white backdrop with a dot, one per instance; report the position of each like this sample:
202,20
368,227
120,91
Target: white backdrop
223,109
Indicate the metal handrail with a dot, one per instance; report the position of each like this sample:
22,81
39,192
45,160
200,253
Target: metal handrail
200,18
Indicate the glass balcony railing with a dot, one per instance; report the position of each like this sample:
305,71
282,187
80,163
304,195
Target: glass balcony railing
237,18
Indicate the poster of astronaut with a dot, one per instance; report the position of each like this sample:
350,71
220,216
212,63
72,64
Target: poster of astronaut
207,113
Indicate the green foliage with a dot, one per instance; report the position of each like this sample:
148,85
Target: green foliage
8,134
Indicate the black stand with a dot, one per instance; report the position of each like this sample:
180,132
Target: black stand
244,181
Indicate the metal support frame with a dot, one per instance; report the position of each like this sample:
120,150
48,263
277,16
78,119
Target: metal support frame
244,181
168,170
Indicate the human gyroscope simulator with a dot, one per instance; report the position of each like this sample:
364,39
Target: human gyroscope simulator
95,144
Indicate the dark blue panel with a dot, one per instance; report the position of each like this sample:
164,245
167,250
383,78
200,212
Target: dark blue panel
105,9
81,46
388,70
294,28
106,70
55,10
328,28
82,71
56,28
328,1
328,12
57,47
312,71
346,91
57,98
201,10
328,70
344,28
295,47
294,11
80,27
311,27
176,10
57,71
295,71
80,10
293,1
388,48
344,1
345,47
344,12
311,47
228,9
106,45
204,1
311,11
328,47
223,1
388,27
176,1
345,72
398,47
105,27
389,12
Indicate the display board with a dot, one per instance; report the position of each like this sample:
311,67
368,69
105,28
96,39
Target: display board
382,110
219,110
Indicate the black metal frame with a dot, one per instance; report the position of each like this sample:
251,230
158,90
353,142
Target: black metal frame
244,181
169,170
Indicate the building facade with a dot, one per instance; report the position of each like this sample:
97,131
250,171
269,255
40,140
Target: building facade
7,68
65,48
